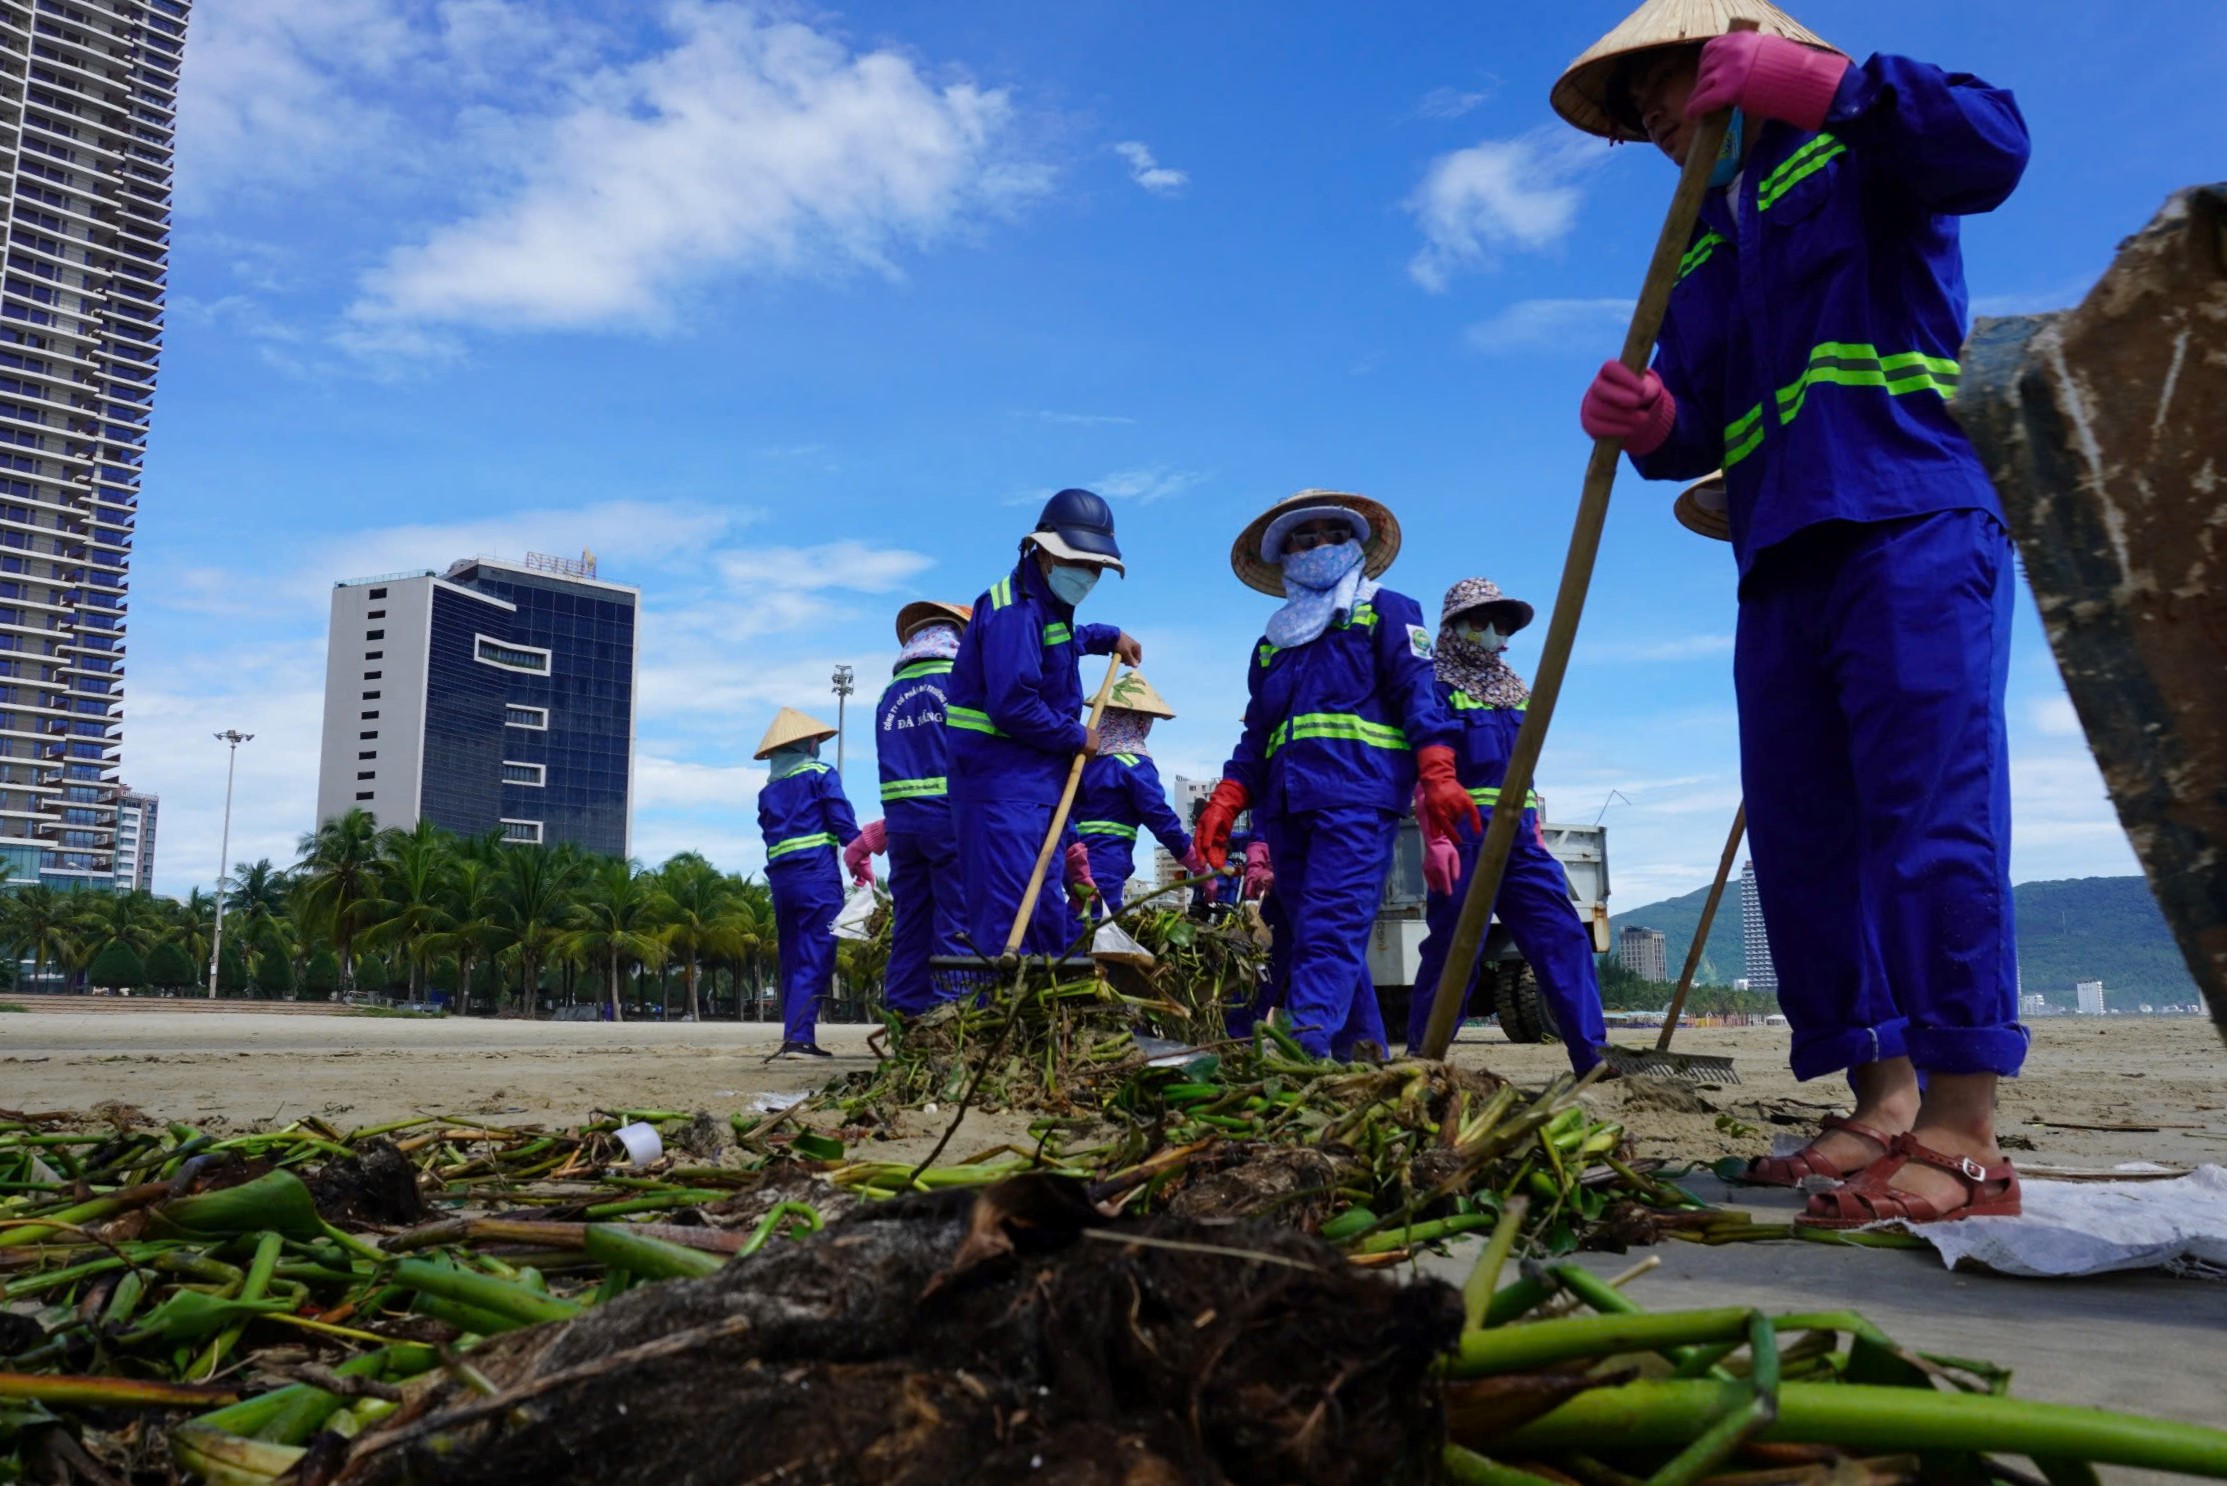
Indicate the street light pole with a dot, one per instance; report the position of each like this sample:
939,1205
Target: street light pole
233,738
843,689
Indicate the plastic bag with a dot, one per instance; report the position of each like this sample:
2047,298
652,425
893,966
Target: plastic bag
857,911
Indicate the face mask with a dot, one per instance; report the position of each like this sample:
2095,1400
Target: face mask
1071,582
1484,637
1319,567
1728,158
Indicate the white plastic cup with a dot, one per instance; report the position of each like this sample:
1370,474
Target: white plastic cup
642,1143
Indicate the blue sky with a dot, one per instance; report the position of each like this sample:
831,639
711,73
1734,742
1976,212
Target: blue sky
793,314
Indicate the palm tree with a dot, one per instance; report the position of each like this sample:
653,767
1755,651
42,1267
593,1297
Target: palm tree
339,864
44,924
616,921
409,903
258,895
475,921
756,942
537,885
701,915
192,923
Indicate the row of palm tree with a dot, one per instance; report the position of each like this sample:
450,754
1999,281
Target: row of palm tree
362,910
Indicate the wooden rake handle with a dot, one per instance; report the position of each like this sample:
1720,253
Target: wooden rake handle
1569,600
1701,930
1059,820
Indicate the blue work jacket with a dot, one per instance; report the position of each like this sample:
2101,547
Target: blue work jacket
1014,718
1120,793
1487,738
1812,336
803,814
911,748
1336,721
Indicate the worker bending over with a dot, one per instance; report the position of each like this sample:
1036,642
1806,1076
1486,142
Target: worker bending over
1014,717
1810,350
1121,793
806,821
1341,715
1487,700
913,754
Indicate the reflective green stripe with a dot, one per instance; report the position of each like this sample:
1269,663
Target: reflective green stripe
1268,652
1854,364
1346,726
921,668
1743,436
1490,797
1464,702
809,766
1128,758
1001,593
799,843
1698,254
1363,615
971,720
1057,634
1106,828
1796,168
915,789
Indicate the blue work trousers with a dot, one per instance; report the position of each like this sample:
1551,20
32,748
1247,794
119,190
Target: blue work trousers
807,894
1871,665
1330,871
928,914
1534,904
998,843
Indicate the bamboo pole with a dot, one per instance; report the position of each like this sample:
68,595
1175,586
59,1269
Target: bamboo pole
1059,821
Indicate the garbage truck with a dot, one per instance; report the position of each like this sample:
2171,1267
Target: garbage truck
1505,984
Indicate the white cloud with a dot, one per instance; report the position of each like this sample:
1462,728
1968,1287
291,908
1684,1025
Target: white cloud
750,146
1050,415
846,564
1147,484
1574,325
1448,103
1149,172
661,783
2053,717
1497,196
1679,647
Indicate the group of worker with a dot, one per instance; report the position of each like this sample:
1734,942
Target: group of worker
1808,354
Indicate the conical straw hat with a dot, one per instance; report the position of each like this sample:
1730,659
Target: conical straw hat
1135,694
1377,552
1581,94
791,726
1700,508
930,611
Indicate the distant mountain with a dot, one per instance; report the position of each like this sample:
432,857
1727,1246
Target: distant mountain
2085,928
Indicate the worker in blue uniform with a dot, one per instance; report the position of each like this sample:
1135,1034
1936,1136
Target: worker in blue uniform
1488,700
806,821
1810,350
1121,793
1341,717
913,755
1014,717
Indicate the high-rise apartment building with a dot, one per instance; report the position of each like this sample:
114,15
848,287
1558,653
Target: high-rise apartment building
135,840
1644,952
1755,945
87,98
494,696
2090,993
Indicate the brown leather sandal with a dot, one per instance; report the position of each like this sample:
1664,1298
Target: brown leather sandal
1792,1171
1992,1191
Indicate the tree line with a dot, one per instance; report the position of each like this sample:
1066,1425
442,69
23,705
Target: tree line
490,924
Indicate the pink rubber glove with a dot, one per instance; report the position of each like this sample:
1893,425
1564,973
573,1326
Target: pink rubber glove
858,856
1766,77
1441,864
1075,873
1632,406
1260,873
1194,863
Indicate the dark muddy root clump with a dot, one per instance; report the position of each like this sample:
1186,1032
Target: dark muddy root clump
1294,1185
1010,1336
377,1185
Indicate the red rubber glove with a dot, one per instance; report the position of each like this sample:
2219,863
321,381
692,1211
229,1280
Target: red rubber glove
1766,77
1632,406
1446,805
1212,840
872,837
1260,873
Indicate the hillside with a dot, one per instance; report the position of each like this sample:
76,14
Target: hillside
2087,928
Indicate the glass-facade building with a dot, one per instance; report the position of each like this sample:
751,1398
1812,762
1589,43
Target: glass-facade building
496,696
88,93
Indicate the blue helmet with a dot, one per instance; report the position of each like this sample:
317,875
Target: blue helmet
1078,526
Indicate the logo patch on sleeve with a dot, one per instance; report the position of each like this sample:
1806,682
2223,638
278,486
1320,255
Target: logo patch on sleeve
1419,641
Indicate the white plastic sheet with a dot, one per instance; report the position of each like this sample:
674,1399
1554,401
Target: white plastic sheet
858,908
2089,1227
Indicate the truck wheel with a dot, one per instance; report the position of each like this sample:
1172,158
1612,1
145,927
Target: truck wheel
1523,1012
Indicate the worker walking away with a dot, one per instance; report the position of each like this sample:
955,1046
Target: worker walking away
1810,350
1488,699
1014,722
806,822
1121,793
1342,713
913,755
